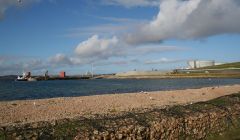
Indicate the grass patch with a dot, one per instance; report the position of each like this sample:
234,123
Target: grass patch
225,66
2,136
69,129
175,111
198,107
232,134
223,101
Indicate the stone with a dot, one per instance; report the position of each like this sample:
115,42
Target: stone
95,132
19,138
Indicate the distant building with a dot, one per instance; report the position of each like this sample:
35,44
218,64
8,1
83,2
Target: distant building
62,74
193,64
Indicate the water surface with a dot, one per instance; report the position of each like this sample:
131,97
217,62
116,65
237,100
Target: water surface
11,90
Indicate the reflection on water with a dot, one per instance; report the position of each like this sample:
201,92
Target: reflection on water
11,90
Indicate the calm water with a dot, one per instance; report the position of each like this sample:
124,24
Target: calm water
11,90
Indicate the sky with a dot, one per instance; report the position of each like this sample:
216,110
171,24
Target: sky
115,35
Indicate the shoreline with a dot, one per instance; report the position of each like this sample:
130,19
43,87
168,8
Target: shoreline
27,111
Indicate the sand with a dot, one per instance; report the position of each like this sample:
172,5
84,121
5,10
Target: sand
26,111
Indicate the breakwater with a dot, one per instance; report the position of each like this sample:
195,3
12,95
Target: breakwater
202,120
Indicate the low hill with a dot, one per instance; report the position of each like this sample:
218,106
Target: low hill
8,77
224,66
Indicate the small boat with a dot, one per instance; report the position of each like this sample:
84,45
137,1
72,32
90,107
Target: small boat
24,77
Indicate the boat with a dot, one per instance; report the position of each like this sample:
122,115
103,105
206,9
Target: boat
21,78
24,77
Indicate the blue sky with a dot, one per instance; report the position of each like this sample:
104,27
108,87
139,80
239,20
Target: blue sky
115,35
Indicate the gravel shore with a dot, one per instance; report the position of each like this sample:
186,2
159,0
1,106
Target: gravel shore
26,111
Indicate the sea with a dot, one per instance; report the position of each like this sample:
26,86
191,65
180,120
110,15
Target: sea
13,90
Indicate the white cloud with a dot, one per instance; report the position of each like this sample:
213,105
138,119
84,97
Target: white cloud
149,49
11,66
105,29
98,48
5,4
115,27
163,61
132,3
60,59
190,19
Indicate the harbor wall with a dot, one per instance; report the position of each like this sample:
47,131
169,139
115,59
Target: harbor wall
195,121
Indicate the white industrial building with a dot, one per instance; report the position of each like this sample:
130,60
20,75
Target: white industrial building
193,64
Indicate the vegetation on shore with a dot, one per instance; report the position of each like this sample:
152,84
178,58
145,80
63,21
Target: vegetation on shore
224,66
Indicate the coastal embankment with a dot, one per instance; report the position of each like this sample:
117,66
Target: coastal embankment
145,115
170,75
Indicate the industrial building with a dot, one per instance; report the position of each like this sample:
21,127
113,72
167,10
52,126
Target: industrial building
193,64
62,74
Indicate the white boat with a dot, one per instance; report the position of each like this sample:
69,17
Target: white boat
25,76
21,78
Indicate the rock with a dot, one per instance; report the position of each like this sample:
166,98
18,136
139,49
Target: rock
14,134
34,138
34,125
95,132
19,138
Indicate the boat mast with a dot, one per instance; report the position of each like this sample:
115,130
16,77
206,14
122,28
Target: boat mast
92,70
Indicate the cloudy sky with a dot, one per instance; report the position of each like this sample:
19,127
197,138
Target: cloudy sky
115,35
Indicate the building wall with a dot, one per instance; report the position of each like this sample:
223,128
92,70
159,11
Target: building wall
62,74
199,64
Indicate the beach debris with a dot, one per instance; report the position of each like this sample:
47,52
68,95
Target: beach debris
203,93
144,92
34,103
151,98
14,104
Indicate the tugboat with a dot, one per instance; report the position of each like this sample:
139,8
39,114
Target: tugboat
25,76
